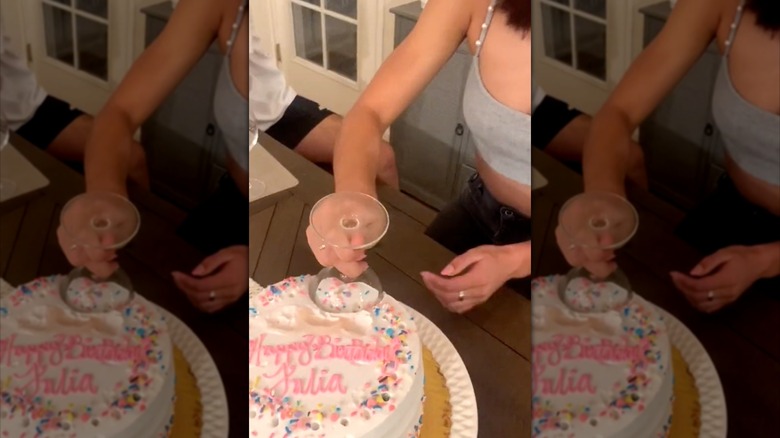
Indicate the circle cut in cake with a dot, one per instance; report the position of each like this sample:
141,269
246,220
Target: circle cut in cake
606,375
319,374
65,374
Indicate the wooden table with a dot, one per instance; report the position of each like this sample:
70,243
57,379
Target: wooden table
29,249
493,340
743,340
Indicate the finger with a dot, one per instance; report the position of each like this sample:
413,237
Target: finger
710,263
449,285
200,285
102,269
323,253
73,253
349,255
99,255
212,263
461,307
579,256
352,269
601,269
462,262
711,306
700,285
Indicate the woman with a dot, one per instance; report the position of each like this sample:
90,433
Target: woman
488,225
740,224
195,25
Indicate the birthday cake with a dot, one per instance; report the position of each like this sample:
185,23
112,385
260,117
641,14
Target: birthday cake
605,375
320,374
67,374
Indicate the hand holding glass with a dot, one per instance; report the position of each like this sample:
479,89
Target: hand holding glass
347,223
93,225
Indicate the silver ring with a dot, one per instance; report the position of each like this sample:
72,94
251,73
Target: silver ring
73,246
572,246
212,296
461,295
710,296
322,247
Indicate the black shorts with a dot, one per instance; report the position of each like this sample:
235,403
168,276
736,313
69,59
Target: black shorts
549,118
49,120
301,117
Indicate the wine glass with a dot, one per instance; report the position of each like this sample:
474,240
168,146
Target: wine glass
597,221
7,185
256,186
98,222
347,221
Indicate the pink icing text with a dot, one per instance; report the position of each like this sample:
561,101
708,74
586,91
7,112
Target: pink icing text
284,360
566,348
43,364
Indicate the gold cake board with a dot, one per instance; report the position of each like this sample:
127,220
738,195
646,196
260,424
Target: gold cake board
188,412
686,411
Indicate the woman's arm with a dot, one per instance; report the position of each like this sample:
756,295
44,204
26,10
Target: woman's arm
690,29
404,74
191,30
770,257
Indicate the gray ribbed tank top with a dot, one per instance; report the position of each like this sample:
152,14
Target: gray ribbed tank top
231,108
751,135
502,134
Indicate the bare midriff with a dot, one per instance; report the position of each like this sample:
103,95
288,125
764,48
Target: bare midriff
758,192
504,190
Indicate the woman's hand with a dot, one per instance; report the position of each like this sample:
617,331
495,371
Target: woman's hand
598,262
721,278
218,281
98,261
348,262
471,278
86,249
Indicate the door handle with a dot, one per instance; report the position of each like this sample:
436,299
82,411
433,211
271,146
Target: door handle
459,129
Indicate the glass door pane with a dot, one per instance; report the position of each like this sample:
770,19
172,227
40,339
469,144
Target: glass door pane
557,34
591,47
76,33
94,7
307,33
58,26
341,41
93,47
344,7
325,33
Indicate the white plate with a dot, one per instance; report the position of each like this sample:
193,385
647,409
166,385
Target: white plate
5,288
25,176
213,399
537,179
714,421
263,166
465,420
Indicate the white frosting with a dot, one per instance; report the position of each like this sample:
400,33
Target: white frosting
605,375
68,374
327,364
